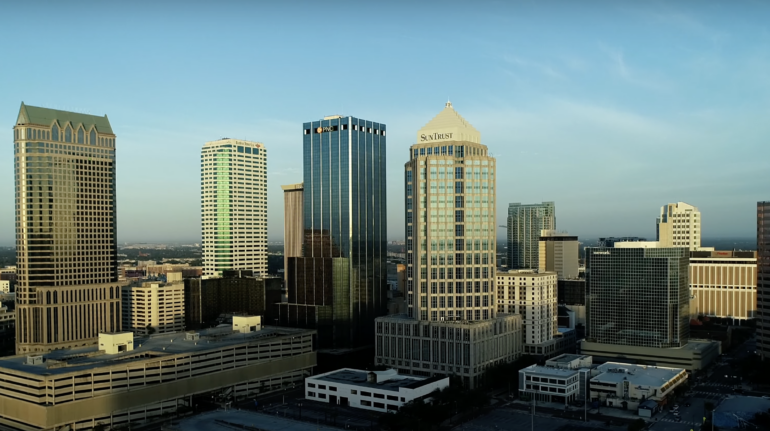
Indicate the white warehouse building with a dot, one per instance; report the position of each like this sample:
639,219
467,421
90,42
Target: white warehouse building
381,391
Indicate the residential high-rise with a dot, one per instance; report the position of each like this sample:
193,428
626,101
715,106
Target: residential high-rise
559,253
292,223
679,225
763,279
68,290
450,260
154,307
533,295
525,223
339,285
638,296
234,206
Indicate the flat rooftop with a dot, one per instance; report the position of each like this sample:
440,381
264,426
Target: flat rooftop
158,346
350,376
234,419
550,371
567,357
645,375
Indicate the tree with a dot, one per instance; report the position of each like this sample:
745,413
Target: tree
150,329
708,405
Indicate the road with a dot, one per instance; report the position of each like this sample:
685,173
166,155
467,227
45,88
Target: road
718,383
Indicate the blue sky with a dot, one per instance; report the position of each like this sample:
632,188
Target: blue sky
609,108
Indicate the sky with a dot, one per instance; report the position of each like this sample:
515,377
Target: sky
609,108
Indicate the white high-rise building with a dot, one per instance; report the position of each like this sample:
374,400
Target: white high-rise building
234,206
533,295
679,225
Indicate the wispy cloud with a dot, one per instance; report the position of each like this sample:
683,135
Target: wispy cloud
543,68
632,75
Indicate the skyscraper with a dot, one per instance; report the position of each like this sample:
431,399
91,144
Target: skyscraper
638,296
234,206
339,285
559,252
66,247
525,223
450,222
292,223
763,279
679,225
450,260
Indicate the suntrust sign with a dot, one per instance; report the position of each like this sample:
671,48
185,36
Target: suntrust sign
435,137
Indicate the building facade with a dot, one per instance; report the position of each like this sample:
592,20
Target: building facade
723,284
152,308
763,279
66,244
625,308
379,391
679,225
610,241
450,223
627,386
525,224
234,206
463,348
292,223
534,296
339,285
236,293
125,382
559,253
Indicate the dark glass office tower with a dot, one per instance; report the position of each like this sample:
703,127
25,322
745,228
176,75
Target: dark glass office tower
340,284
763,279
638,296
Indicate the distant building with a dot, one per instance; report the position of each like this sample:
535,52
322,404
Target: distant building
153,308
763,279
572,292
679,225
6,286
525,223
559,253
380,391
7,330
292,223
126,380
723,284
610,241
237,292
234,206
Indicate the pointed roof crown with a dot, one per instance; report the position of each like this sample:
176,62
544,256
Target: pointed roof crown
448,125
46,117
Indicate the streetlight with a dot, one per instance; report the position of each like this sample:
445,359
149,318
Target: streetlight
300,410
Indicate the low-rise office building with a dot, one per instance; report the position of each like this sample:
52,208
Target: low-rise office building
126,380
465,348
563,379
693,356
627,386
381,391
723,284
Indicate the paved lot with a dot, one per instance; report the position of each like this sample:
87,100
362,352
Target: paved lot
219,420
507,419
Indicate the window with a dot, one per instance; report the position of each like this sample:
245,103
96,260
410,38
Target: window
321,395
353,391
311,385
311,394
366,403
392,398
92,137
379,405
366,394
381,396
333,388
321,386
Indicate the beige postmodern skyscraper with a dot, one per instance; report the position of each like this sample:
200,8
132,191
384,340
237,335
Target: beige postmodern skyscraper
450,222
66,248
292,223
234,206
452,324
679,225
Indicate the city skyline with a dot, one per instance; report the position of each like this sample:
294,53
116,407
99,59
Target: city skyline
645,105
